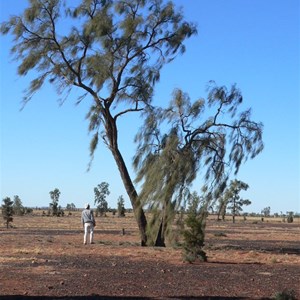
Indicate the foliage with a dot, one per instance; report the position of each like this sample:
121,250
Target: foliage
220,234
18,208
266,212
285,295
231,198
28,210
7,211
195,233
101,191
121,207
290,217
71,207
179,142
55,209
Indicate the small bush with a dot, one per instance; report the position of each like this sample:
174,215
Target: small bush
220,234
194,235
286,295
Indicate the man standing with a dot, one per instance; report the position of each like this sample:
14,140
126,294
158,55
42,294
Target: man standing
88,223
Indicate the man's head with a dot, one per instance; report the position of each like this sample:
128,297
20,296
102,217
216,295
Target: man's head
87,206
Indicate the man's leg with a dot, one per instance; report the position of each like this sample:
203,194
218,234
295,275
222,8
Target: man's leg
91,233
86,225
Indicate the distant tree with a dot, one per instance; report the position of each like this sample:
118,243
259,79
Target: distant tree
28,210
70,207
290,216
101,191
266,212
232,198
194,234
18,208
7,211
222,207
55,209
121,207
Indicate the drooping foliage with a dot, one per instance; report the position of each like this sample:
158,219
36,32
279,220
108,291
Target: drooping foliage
176,144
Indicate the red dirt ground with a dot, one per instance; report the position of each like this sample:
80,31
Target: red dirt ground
44,258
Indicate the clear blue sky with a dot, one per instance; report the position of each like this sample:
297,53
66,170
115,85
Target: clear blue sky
252,43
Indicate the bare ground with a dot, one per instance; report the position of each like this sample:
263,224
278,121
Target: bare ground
44,258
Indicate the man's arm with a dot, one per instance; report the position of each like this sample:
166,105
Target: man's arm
93,219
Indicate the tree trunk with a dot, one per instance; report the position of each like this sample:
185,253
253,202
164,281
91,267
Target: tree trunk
161,235
160,238
132,194
111,131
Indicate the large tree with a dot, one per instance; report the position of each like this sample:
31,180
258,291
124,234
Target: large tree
210,137
113,50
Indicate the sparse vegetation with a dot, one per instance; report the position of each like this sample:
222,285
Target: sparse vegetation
114,253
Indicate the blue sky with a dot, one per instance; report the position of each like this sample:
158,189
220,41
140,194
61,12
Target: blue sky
252,43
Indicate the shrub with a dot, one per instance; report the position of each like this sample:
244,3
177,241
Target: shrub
195,233
7,211
220,234
286,295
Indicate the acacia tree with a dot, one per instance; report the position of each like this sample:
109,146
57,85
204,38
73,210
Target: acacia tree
232,200
179,142
113,51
